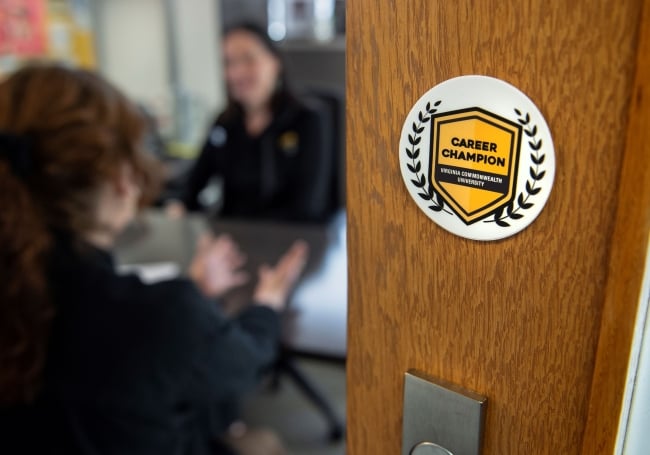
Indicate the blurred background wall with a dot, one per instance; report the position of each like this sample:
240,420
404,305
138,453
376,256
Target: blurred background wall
166,54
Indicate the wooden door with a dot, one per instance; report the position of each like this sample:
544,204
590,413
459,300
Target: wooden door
541,322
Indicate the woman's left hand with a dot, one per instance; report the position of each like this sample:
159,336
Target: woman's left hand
216,267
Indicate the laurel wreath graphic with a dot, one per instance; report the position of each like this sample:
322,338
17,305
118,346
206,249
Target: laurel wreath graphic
536,175
426,190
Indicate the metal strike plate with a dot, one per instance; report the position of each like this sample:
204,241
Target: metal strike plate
441,418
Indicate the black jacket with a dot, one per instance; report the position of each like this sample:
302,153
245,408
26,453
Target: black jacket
284,174
134,368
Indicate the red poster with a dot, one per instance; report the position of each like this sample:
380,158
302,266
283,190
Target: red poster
22,27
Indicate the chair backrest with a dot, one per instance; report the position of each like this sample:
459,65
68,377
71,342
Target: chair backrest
333,104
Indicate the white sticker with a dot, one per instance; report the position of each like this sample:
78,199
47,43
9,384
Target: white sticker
218,136
477,157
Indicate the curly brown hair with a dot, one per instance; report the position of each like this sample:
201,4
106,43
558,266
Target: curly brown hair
80,131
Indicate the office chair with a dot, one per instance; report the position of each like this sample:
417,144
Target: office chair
331,104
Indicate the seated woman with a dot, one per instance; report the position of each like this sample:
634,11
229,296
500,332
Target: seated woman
93,362
268,148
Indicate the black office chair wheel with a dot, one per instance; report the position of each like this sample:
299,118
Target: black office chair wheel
337,432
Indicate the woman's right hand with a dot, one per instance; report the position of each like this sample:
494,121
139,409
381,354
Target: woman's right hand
275,283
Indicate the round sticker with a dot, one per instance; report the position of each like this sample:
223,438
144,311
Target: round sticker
477,157
218,136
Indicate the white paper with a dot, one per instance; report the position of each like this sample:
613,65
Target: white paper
153,272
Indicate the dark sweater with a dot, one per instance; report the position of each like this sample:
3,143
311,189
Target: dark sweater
284,174
134,368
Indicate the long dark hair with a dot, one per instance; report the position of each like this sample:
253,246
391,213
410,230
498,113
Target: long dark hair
283,94
63,133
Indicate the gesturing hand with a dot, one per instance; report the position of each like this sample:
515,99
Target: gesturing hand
275,283
175,209
216,267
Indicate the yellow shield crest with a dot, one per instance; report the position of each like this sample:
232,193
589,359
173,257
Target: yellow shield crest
474,160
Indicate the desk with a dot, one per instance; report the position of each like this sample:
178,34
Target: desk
316,322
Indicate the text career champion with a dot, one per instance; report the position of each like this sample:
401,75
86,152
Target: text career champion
473,156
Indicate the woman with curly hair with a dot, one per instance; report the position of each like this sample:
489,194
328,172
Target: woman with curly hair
92,362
